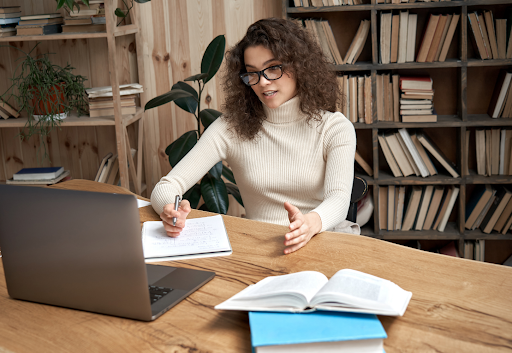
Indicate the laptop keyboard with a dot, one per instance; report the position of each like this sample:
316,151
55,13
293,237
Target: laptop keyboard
156,293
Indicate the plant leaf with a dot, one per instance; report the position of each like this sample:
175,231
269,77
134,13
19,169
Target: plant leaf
208,116
60,3
188,104
215,194
228,174
120,13
196,77
179,148
216,170
212,57
165,98
233,190
86,2
193,195
142,1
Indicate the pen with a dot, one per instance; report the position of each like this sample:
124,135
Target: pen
176,205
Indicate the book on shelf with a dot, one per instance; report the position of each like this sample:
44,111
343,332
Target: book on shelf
85,20
499,93
106,91
503,196
98,19
399,212
424,155
418,160
508,226
449,37
411,37
102,165
416,83
42,21
358,42
43,173
90,28
396,97
380,97
10,9
347,291
7,32
444,33
85,12
366,167
476,203
393,165
413,201
483,31
201,237
501,37
316,332
8,21
331,41
403,24
477,35
424,207
407,153
495,151
368,103
38,30
505,152
10,15
424,118
40,16
489,25
395,27
66,175
385,37
468,249
446,209
431,147
480,151
7,111
383,207
94,113
353,99
488,149
391,207
485,210
386,94
436,39
433,208
428,36
399,154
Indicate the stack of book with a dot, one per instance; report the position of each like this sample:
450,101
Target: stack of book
493,151
489,37
490,208
357,91
101,102
9,17
408,154
437,37
39,176
6,111
39,24
416,99
397,37
88,19
501,100
416,207
387,97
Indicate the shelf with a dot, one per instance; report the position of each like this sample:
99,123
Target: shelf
489,62
369,179
450,232
486,120
478,234
74,120
474,178
439,179
59,36
125,30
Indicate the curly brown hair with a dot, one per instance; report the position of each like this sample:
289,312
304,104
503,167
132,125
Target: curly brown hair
317,85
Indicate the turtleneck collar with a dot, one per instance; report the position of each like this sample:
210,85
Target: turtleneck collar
286,113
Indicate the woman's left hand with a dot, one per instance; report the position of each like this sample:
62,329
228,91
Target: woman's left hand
302,228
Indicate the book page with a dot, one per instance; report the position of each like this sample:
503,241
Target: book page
204,235
350,288
293,290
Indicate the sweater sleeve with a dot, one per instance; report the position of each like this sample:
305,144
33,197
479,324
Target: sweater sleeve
210,149
339,152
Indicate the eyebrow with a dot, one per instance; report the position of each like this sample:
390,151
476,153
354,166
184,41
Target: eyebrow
264,64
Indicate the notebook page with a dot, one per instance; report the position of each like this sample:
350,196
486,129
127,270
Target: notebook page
204,235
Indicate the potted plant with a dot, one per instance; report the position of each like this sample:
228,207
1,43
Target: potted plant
212,187
47,93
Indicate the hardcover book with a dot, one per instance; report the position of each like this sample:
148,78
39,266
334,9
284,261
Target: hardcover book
38,173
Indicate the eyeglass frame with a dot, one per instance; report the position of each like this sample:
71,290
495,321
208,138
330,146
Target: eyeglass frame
262,72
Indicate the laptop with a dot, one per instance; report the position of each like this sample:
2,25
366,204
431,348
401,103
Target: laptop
83,250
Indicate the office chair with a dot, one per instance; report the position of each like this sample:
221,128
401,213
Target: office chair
359,190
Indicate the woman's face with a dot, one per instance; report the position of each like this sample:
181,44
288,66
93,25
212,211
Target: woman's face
271,93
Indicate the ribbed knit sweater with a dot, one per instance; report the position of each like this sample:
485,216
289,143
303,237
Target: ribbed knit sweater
309,165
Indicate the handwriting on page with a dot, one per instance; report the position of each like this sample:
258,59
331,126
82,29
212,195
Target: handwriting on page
200,235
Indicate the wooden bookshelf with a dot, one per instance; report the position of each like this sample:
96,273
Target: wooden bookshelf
462,105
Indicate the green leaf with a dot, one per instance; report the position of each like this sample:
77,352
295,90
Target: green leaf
120,13
216,170
188,104
233,190
60,3
228,174
212,58
193,195
215,194
208,116
166,98
142,1
86,2
179,148
196,77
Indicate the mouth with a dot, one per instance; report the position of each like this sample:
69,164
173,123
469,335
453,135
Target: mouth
269,93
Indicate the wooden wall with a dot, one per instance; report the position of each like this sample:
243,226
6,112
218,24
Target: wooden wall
175,34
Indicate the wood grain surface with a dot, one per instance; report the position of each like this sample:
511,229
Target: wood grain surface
457,305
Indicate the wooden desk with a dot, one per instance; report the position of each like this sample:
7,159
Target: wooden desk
457,305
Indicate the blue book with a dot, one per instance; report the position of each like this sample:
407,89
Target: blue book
316,332
38,173
5,21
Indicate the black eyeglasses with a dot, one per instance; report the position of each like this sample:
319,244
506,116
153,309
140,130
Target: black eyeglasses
270,73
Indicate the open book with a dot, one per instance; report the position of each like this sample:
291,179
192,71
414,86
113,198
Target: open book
201,237
348,290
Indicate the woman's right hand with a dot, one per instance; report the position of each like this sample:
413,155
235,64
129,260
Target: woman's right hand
181,216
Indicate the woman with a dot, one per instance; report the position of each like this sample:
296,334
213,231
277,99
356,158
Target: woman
292,158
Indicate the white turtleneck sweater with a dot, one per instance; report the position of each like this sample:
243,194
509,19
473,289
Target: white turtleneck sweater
310,166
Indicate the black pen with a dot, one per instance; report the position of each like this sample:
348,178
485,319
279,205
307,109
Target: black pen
177,201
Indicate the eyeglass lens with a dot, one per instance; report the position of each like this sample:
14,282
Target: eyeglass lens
270,73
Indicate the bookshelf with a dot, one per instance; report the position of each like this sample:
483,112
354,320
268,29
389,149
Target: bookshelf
464,84
130,171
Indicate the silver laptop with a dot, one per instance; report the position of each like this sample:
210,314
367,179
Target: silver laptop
83,250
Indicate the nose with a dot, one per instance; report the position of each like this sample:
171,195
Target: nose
263,81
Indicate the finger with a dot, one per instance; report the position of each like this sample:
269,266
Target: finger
167,215
296,224
185,206
295,247
296,240
293,211
172,231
